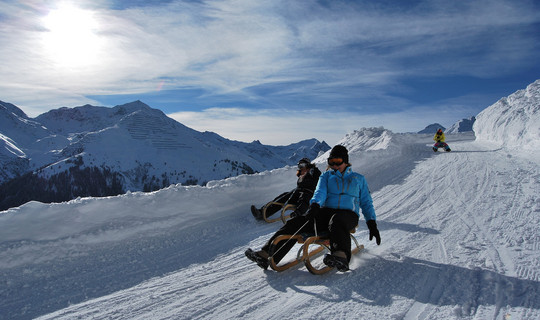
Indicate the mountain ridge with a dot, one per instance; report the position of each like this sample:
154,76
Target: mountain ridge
133,146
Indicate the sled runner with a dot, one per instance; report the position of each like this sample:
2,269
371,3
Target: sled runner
319,244
283,216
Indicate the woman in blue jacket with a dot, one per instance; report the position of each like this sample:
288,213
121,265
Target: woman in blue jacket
340,195
335,206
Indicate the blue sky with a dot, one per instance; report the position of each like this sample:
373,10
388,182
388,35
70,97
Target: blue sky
274,71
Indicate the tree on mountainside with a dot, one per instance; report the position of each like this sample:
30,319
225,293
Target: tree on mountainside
63,186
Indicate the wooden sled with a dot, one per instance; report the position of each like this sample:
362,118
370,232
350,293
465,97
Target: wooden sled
283,216
321,244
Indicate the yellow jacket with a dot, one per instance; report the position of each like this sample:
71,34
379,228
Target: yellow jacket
439,137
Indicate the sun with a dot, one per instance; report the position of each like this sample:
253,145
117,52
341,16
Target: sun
71,39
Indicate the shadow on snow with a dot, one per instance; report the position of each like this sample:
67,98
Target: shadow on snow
379,280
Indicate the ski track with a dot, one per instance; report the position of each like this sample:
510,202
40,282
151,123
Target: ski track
462,246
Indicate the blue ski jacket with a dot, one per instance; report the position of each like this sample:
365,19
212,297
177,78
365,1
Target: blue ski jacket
347,190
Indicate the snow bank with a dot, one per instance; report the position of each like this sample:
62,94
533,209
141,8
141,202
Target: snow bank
365,139
513,121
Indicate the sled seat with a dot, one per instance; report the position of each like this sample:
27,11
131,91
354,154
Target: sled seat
283,215
321,242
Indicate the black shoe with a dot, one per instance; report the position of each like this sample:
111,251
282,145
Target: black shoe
258,259
435,149
256,213
336,262
448,150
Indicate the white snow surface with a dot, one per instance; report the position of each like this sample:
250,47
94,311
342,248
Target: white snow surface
460,240
513,121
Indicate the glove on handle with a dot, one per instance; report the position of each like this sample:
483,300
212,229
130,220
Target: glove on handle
373,231
311,213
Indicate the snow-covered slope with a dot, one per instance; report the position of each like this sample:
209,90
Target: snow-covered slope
16,131
460,240
16,125
513,121
12,159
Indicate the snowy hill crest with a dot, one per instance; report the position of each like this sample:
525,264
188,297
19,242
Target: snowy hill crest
513,121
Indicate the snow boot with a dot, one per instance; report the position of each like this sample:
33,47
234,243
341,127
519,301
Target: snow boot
435,149
336,262
257,258
448,150
256,213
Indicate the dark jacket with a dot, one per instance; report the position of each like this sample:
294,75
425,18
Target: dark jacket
305,186
309,180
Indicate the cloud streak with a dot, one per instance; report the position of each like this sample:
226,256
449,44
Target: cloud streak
283,126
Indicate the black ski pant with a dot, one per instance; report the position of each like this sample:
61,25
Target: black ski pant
337,223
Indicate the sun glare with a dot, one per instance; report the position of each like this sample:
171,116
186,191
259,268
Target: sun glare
70,40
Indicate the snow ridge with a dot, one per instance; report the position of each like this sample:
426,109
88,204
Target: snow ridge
513,121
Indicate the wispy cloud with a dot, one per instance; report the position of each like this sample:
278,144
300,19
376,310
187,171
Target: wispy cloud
282,126
349,55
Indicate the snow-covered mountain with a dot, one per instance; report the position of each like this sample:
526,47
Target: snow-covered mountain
16,131
460,240
102,151
432,128
463,125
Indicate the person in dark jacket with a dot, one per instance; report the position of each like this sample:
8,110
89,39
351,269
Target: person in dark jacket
308,175
335,206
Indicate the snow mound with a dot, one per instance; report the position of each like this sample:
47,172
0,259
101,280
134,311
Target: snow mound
365,139
513,121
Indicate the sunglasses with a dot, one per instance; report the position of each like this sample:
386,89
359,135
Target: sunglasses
335,162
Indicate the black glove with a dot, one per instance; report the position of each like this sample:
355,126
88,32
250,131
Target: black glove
373,231
312,212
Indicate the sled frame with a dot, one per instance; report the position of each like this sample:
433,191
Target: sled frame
304,254
283,215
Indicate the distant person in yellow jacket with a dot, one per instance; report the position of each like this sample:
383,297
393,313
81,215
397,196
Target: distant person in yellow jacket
439,141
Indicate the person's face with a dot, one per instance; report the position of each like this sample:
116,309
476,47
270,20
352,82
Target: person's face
302,169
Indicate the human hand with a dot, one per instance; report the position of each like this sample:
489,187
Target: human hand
373,231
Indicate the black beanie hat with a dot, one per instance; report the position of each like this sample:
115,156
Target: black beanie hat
304,160
339,151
